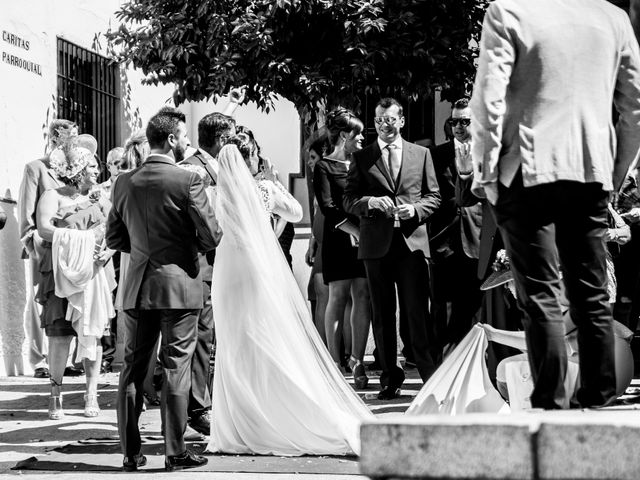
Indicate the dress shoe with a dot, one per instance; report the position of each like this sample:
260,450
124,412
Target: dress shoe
41,372
201,423
131,464
186,460
360,378
106,368
389,393
73,371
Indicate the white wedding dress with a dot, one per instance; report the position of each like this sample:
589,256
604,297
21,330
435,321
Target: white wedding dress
276,390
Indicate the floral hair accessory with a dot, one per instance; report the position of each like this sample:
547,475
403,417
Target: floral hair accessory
71,163
502,261
200,171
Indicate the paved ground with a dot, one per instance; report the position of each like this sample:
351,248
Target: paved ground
27,433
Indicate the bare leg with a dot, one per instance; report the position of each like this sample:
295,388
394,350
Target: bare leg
322,298
334,316
58,353
92,370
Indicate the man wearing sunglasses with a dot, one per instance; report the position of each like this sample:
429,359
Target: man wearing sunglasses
392,187
454,232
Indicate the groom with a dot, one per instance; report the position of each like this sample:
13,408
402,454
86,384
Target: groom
162,217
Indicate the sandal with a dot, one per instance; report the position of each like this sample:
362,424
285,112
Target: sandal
91,407
55,403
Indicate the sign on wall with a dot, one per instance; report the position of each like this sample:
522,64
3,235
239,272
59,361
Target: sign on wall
17,53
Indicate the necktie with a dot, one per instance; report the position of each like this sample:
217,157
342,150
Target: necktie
394,162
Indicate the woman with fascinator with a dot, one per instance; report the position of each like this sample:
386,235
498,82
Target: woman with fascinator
276,389
75,291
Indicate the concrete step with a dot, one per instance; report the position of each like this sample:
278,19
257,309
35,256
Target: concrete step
538,445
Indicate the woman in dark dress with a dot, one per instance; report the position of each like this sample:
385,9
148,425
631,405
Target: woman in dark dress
342,270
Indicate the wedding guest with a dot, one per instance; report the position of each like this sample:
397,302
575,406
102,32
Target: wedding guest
341,268
546,157
393,188
37,178
455,236
71,222
114,159
318,291
213,131
162,217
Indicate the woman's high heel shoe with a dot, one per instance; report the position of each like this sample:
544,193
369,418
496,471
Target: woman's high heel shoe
55,402
55,407
91,407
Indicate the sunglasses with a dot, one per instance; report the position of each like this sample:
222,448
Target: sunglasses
465,122
387,120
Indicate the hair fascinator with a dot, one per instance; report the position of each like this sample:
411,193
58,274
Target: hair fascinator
69,163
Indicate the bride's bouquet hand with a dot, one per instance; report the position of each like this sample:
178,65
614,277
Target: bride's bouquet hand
103,257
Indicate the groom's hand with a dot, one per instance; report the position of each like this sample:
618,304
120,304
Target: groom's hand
384,204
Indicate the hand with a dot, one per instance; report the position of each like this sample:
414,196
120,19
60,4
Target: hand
309,258
405,212
488,330
269,172
463,158
632,216
103,257
237,94
384,204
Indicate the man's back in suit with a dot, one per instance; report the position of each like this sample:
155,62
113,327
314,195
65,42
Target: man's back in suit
545,155
168,220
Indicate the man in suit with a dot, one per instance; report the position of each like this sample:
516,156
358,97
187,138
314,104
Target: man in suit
162,218
392,187
213,130
455,236
37,178
544,153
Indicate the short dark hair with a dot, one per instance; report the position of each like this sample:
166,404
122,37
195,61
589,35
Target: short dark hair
387,102
212,126
342,119
163,124
460,103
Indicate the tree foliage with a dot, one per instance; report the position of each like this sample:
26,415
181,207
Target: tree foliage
312,52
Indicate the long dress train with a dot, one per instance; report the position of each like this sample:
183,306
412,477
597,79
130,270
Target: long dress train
276,389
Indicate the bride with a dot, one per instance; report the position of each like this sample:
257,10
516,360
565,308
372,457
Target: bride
276,390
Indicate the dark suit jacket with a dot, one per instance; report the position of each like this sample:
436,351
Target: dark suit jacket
206,259
490,239
162,217
453,223
417,185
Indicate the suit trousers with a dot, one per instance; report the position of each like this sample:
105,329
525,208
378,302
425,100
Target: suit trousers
454,280
200,394
141,330
409,271
546,227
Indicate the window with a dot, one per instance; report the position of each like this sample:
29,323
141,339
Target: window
88,86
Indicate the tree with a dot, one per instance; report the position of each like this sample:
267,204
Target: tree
312,52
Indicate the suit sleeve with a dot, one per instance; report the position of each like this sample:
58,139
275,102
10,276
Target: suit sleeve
627,102
27,201
488,105
430,199
203,216
354,201
117,234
